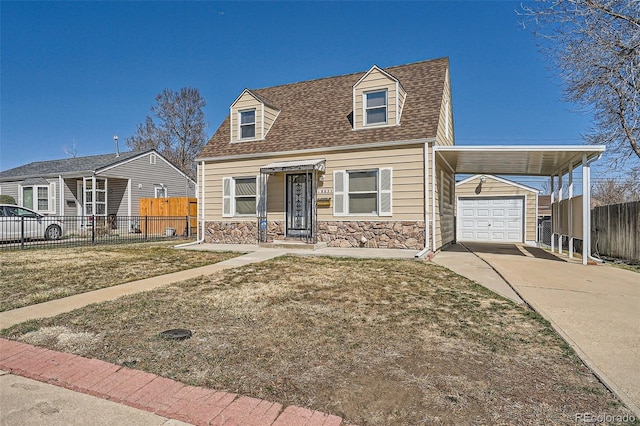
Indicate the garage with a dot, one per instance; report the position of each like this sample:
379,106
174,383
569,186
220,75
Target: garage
494,209
491,219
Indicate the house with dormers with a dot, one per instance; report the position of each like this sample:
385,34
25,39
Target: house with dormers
346,161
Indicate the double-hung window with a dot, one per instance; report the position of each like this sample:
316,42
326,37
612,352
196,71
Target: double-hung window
362,192
239,196
375,107
38,197
248,124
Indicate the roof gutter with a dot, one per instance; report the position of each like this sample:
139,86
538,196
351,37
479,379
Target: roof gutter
79,173
317,150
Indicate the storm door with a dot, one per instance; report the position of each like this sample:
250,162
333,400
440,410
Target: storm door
298,202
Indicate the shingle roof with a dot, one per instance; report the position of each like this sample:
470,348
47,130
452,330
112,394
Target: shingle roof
318,113
68,165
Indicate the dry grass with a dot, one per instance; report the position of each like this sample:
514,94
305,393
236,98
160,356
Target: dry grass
374,341
35,276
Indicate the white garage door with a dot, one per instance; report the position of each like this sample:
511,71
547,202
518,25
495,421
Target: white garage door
490,219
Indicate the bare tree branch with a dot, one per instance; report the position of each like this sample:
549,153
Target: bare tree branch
179,134
595,47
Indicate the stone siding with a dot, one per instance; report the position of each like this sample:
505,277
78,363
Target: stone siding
400,235
231,232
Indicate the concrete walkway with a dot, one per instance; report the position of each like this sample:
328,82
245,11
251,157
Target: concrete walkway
596,309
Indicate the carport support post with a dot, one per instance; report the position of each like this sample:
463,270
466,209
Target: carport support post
570,209
586,210
553,225
560,211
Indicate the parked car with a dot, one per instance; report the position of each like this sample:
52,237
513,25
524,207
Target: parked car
17,223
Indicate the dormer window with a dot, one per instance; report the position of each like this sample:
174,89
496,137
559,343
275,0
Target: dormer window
378,100
248,124
251,117
375,107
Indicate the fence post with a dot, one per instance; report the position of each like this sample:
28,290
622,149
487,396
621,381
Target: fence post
22,232
93,229
146,228
188,227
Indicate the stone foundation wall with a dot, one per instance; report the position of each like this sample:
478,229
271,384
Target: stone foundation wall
400,235
231,232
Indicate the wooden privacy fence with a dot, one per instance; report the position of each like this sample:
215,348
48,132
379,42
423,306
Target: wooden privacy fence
616,230
181,215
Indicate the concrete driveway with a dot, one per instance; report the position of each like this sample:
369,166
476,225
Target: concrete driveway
595,308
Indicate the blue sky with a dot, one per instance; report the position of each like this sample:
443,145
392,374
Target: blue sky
80,72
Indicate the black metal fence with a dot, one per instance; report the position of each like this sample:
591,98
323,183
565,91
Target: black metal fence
67,231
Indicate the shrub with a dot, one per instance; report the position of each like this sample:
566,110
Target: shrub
7,199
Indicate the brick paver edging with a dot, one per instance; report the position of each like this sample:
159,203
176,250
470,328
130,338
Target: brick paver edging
149,392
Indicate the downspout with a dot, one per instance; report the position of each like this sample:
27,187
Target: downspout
433,198
426,248
201,200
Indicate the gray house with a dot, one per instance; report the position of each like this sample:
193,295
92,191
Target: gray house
100,185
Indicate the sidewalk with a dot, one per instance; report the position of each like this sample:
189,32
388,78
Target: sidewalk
128,392
33,402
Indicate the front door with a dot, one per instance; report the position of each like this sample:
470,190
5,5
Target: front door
298,214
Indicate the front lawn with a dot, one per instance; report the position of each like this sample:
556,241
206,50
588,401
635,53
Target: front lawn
378,342
28,277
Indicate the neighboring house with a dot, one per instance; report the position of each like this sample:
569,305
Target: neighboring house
100,185
348,161
494,209
544,207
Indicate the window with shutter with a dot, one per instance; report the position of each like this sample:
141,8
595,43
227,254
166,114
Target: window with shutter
385,192
338,193
52,197
226,197
363,192
239,196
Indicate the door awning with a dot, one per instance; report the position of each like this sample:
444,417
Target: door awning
523,160
294,165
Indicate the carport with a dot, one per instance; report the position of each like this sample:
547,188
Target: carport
571,216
